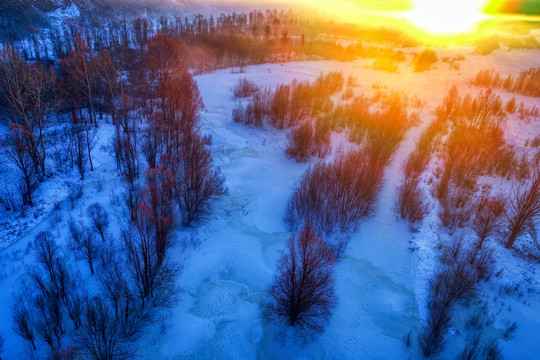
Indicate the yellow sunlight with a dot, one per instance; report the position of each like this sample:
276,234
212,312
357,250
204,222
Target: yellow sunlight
445,17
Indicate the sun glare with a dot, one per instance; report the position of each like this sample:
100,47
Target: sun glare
447,16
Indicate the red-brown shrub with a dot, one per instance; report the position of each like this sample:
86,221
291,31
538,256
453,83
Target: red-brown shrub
302,294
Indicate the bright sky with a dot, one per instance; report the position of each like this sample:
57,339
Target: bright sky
438,17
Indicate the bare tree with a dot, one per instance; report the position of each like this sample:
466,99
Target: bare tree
49,318
83,243
335,195
99,219
198,183
115,284
126,150
107,74
75,309
156,208
79,75
22,323
450,285
102,336
20,151
524,208
46,253
488,218
302,294
58,275
279,106
78,147
244,88
431,339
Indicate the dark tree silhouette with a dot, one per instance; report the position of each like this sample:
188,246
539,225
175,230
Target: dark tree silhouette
22,325
83,242
99,219
156,208
302,295
452,284
102,336
46,253
20,151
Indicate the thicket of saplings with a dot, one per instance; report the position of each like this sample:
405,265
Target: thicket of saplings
474,147
168,178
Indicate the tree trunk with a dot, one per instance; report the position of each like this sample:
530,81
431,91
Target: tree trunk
512,239
88,145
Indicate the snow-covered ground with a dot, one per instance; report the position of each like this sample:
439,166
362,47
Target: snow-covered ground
381,282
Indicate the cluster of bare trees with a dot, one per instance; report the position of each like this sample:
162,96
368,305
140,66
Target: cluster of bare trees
180,181
153,103
411,202
302,294
463,268
475,136
50,302
101,321
28,95
154,108
288,105
335,195
245,88
33,94
307,109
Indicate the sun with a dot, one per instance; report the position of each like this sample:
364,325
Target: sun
444,17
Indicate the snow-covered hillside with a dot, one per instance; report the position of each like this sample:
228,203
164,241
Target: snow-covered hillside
17,15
